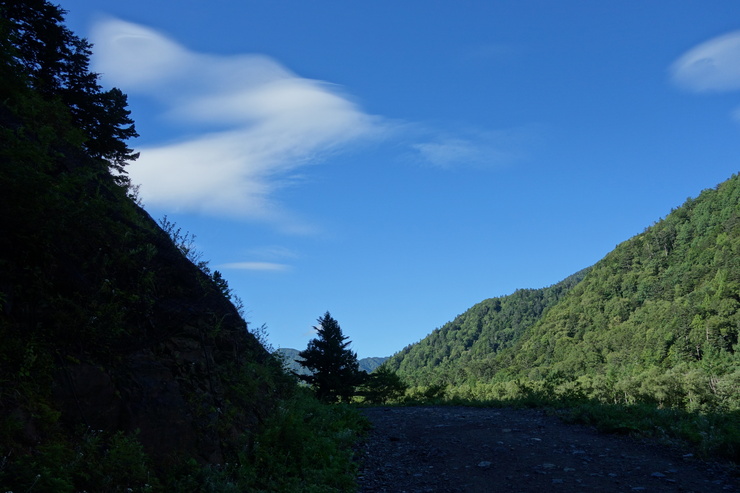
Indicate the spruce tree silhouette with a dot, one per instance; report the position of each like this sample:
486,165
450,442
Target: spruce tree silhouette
334,369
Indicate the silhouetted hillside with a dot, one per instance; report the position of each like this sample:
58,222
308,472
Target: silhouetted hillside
123,366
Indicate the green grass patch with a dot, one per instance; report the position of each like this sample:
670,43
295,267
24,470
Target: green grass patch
306,446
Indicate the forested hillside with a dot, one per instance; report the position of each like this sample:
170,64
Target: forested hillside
465,349
123,365
656,320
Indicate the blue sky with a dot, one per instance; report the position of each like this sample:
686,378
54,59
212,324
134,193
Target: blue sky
397,162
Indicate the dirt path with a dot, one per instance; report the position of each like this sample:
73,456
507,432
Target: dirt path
461,449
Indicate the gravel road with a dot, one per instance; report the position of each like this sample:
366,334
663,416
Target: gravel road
463,449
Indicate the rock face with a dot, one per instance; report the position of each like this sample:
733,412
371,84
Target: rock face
140,393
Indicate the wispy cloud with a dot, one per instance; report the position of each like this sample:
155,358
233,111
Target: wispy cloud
473,148
253,125
263,123
713,66
263,266
270,259
736,114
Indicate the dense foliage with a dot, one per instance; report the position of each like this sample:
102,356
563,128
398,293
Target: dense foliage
44,55
657,319
381,386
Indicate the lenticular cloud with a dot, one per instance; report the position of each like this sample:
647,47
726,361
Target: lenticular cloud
711,66
269,121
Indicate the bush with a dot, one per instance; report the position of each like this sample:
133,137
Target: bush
383,385
94,462
305,446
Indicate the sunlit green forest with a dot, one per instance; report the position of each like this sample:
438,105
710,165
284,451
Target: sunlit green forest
655,323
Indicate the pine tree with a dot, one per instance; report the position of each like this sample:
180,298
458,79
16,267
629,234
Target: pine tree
56,64
334,369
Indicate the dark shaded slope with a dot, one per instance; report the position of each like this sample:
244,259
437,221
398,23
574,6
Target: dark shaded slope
105,323
123,365
111,338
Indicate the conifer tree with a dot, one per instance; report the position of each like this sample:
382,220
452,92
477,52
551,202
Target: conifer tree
334,369
56,64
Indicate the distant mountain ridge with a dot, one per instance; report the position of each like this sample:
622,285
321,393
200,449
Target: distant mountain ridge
657,319
289,356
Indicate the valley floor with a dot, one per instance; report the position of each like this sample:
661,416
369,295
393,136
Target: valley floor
464,449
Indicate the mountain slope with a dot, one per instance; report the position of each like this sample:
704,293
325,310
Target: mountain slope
104,322
466,347
656,320
665,298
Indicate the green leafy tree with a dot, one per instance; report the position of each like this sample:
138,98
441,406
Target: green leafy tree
334,369
383,385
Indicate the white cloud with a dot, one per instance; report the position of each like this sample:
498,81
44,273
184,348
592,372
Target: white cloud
711,66
253,125
265,122
263,266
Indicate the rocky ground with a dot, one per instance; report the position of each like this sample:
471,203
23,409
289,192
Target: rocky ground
462,449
